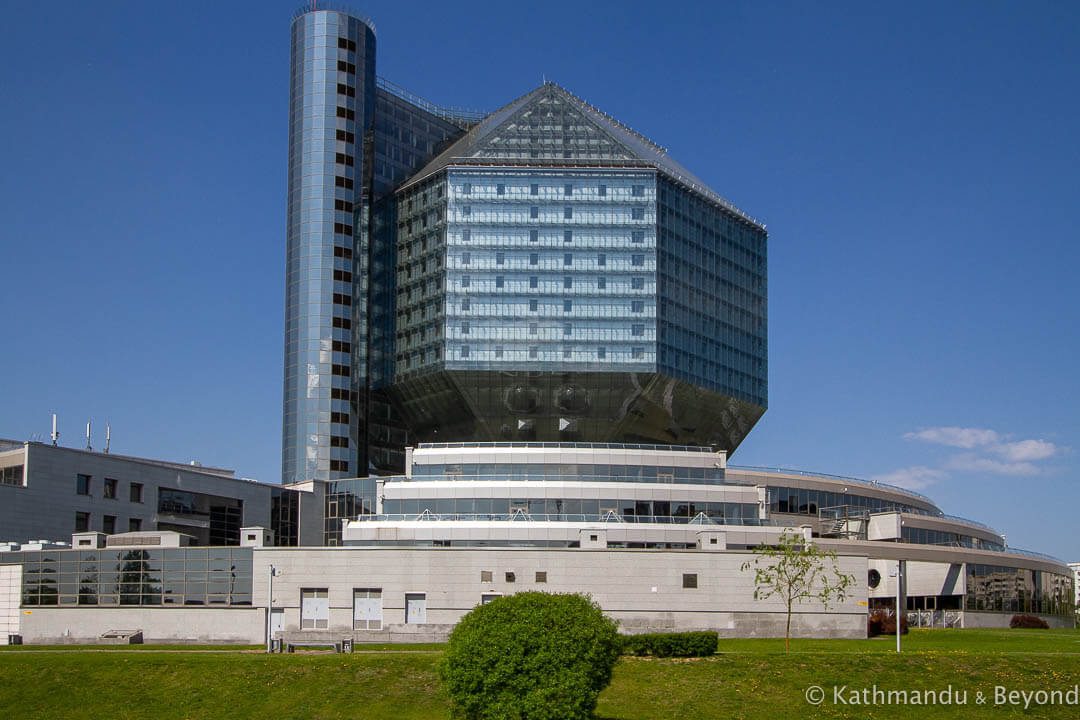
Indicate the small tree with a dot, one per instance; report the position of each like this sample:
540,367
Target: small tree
530,655
796,571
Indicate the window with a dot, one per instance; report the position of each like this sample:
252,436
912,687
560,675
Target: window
346,136
343,182
314,609
108,524
135,493
343,159
343,205
567,305
466,235
638,191
339,441
534,212
637,353
499,281
567,329
498,351
568,259
534,258
567,351
601,283
343,229
500,258
466,303
637,329
568,190
534,189
464,351
533,328
109,489
465,281
346,67
689,580
346,44
500,189
341,418
341,346
466,258
541,576
82,522
346,113
510,577
568,282
637,283
12,475
533,305
344,323
466,209
82,485
466,188
343,252
367,609
637,306
602,190
601,352
637,236
339,466
487,598
637,213
339,370
485,576
567,213
534,281
464,327
568,236
533,351
343,276
637,259
134,525
601,259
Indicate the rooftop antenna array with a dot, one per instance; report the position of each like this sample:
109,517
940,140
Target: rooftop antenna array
55,435
108,437
88,435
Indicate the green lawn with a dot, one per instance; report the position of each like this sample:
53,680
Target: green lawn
748,679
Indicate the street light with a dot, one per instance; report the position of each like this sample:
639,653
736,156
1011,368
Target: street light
270,607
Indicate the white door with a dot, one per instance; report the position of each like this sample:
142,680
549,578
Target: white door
277,621
10,597
415,608
314,609
367,609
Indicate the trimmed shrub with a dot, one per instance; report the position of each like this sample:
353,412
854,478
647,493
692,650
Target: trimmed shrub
1028,621
684,644
883,622
530,655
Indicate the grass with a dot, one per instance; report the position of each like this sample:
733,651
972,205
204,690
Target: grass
748,679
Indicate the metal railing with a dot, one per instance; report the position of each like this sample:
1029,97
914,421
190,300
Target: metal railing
314,5
607,517
571,445
827,476
458,116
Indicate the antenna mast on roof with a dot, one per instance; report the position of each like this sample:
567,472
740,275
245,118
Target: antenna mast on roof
55,435
88,436
108,437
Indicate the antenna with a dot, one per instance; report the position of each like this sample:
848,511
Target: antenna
108,437
88,436
55,435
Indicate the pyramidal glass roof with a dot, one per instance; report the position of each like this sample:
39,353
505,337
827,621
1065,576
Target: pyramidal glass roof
552,127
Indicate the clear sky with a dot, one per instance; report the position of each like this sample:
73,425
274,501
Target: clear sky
916,164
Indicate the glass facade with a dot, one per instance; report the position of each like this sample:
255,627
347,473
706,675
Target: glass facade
801,501
923,536
346,500
332,92
574,510
201,577
537,472
994,588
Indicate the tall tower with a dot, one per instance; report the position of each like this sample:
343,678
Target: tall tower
331,107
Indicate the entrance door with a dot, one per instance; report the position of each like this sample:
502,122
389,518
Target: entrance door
277,621
415,608
314,609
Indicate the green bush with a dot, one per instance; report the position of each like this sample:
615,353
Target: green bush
684,644
530,655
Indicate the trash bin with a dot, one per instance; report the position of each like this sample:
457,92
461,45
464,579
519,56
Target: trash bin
346,645
275,645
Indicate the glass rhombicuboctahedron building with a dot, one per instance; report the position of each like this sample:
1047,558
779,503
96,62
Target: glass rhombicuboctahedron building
560,278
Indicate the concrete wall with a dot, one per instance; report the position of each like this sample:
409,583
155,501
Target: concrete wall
53,625
970,619
642,589
10,597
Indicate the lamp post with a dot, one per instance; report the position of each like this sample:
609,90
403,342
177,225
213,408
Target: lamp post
270,608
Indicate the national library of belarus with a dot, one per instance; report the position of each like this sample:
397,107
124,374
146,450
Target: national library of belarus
519,350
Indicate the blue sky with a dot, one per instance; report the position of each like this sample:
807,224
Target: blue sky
916,164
